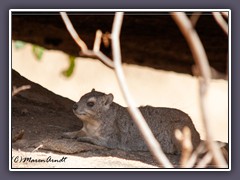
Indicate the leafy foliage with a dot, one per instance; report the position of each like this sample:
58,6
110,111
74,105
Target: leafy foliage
38,51
19,44
68,72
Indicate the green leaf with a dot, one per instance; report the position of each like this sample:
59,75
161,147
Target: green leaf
38,51
19,44
68,72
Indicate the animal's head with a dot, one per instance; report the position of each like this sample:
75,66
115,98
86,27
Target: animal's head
92,105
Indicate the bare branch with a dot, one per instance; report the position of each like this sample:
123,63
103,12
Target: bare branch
216,152
200,58
137,116
194,42
19,89
97,42
36,149
149,138
193,159
185,138
107,61
194,18
222,23
73,33
98,53
85,51
201,61
214,73
205,160
225,14
224,149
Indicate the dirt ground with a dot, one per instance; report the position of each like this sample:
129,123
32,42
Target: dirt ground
44,115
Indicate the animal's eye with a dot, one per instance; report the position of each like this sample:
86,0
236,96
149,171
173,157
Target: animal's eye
90,104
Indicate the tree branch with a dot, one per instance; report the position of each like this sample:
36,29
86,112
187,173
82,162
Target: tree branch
149,138
222,23
19,89
194,18
200,58
85,51
185,138
73,33
205,161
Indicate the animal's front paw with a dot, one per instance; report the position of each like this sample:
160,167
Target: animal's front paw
70,135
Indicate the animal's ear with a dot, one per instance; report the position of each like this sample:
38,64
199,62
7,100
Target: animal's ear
93,90
108,100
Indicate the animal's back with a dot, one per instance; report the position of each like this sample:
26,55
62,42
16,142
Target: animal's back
163,122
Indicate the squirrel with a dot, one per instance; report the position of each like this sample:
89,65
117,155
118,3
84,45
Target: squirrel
108,124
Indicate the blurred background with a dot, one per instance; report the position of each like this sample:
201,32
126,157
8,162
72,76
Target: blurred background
147,85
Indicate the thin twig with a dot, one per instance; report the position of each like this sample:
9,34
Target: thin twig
19,89
194,18
98,53
225,14
106,60
185,138
200,58
85,51
193,159
215,150
214,73
137,116
73,33
222,23
205,161
36,149
194,42
149,138
97,42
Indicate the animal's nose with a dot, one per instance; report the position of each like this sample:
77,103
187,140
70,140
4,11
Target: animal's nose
75,106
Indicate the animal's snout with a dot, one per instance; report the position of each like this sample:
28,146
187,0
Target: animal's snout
75,106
